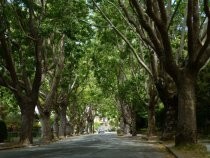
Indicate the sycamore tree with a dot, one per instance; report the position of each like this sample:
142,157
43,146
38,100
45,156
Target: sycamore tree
21,48
178,34
29,31
118,74
111,19
154,21
48,89
120,55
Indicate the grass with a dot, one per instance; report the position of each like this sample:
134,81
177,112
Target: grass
197,150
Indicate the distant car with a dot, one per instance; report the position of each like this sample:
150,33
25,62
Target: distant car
100,131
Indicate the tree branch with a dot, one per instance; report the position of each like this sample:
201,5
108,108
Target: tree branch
38,48
174,13
8,59
204,52
5,83
182,40
57,75
190,28
163,49
124,38
136,25
147,27
206,8
21,23
152,14
193,29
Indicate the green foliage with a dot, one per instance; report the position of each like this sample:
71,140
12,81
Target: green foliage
9,110
197,150
3,131
96,125
203,102
160,116
96,58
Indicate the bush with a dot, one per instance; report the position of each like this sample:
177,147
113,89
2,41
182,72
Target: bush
3,131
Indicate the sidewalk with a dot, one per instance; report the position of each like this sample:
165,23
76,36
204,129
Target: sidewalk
36,142
6,146
13,145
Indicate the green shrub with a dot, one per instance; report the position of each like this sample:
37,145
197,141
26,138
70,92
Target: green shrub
3,131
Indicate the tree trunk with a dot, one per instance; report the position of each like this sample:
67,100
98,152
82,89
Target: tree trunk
186,129
27,117
168,95
47,135
63,120
133,123
63,126
56,125
92,126
121,126
151,110
170,121
126,128
89,127
90,119
125,117
151,121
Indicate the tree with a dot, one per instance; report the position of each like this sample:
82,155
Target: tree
117,73
160,78
45,105
153,22
21,46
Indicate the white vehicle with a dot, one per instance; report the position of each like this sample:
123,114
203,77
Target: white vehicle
101,130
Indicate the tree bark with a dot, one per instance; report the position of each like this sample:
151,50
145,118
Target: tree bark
170,121
126,114
152,22
90,119
27,108
151,131
63,120
56,125
124,117
47,134
186,128
133,122
168,95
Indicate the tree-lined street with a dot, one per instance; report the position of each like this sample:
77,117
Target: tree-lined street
85,66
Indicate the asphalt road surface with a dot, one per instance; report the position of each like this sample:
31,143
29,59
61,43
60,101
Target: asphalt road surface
92,146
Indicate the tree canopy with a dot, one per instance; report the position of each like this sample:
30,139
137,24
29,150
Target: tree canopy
126,61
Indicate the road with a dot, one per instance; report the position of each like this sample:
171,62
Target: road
92,146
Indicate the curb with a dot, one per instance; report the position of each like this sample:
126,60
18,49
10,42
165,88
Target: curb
18,146
11,147
32,145
171,151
